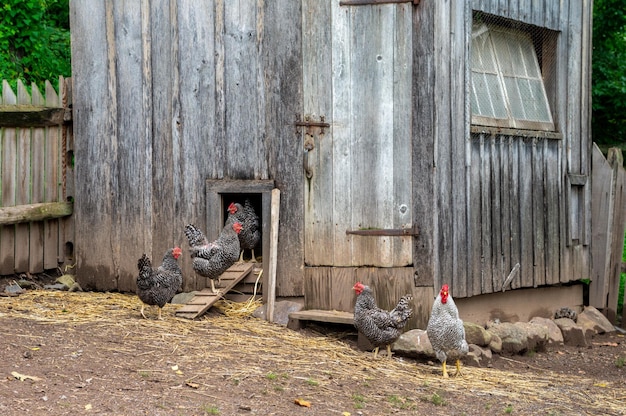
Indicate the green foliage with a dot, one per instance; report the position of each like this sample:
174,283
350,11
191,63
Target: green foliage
609,72
34,41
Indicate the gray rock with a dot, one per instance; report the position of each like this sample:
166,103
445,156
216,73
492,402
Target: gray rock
13,289
536,336
573,334
555,337
514,339
56,286
591,318
496,344
282,310
183,298
414,343
476,334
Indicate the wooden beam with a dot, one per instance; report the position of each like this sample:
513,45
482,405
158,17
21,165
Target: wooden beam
34,212
271,287
32,116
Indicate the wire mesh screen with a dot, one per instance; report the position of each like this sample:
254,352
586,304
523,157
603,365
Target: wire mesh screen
512,73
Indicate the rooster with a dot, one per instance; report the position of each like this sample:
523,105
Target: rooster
212,259
250,233
158,286
380,327
445,331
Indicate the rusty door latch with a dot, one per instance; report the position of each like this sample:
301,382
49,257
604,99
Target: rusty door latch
309,137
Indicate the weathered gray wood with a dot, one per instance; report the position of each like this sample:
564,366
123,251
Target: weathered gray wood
54,179
22,192
95,143
9,182
425,262
616,161
34,212
330,288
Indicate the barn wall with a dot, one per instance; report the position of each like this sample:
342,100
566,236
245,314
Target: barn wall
168,95
500,199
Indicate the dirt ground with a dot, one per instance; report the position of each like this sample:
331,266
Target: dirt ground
67,353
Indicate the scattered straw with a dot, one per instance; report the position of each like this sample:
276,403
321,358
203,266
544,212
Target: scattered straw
235,336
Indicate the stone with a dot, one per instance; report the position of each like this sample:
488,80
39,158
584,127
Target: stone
183,298
414,343
514,339
476,334
496,344
591,318
13,289
536,336
573,334
555,337
282,309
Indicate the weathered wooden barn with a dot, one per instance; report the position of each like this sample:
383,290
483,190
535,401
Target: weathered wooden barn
413,142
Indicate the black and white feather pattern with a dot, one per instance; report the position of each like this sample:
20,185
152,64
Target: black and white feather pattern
445,330
380,327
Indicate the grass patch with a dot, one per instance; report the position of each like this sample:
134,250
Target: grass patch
620,361
359,401
401,402
210,409
312,382
508,409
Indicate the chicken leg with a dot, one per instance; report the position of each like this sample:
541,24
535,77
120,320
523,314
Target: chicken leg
143,305
458,368
213,287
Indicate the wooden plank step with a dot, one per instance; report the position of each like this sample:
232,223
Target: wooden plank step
319,315
204,299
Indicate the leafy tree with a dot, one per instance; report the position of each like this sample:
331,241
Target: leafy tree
34,40
609,72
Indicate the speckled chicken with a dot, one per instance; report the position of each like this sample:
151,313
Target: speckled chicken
446,332
212,259
380,327
250,234
158,286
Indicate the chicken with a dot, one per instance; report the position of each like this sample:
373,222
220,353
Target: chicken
445,331
158,286
212,259
250,233
380,327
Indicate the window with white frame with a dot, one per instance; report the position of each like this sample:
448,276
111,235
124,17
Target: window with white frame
507,87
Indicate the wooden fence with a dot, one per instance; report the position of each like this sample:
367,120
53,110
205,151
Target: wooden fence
35,202
608,227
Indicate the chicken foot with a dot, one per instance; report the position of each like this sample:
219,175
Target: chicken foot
458,369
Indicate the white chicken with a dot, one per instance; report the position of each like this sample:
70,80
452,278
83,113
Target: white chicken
446,332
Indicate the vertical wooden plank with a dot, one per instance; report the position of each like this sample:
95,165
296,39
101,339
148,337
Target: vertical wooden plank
475,219
342,131
515,172
281,53
38,173
504,192
23,188
166,221
243,40
498,273
95,141
460,33
486,190
552,214
317,101
131,210
616,242
371,175
195,146
402,247
9,186
443,143
425,261
53,159
526,212
539,177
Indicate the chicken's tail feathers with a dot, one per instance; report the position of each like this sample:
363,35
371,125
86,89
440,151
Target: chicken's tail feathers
195,237
403,310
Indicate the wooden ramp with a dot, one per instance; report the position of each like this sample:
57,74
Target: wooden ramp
337,317
204,299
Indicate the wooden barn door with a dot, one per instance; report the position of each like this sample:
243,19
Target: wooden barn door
356,132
